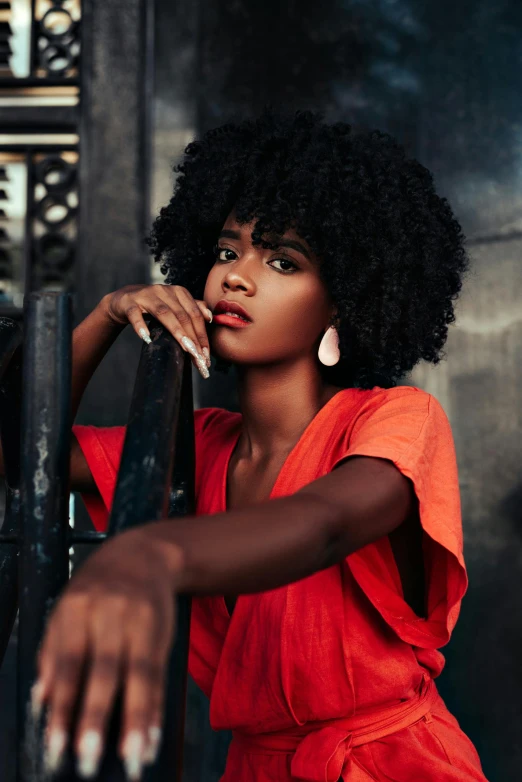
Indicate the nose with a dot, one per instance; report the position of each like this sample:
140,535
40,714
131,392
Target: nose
238,279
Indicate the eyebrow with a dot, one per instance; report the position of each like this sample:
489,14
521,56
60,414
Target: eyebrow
227,233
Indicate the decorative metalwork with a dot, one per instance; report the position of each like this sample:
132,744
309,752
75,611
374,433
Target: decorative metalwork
57,40
39,97
40,40
54,220
38,223
13,206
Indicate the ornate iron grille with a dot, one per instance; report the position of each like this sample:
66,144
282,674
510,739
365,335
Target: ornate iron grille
39,139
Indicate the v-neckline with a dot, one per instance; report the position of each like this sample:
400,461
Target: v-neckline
231,448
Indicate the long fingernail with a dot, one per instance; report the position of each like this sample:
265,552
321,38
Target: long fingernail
133,754
151,753
189,345
145,337
37,691
54,750
89,754
206,353
210,315
200,360
203,369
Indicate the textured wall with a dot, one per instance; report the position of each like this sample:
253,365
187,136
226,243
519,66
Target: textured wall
444,77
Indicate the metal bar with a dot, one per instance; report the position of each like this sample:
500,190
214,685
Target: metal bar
44,119
182,501
46,427
33,61
28,221
13,82
113,174
142,491
149,487
79,536
10,393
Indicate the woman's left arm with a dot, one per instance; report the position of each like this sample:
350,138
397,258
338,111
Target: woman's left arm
116,618
275,543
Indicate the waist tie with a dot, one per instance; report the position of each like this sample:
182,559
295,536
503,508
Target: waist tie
321,749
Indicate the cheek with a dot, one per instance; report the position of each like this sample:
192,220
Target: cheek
302,313
212,285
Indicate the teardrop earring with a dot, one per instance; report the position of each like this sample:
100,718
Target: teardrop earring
329,353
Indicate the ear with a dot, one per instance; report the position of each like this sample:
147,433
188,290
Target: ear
334,316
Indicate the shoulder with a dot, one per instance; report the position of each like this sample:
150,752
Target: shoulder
413,406
391,420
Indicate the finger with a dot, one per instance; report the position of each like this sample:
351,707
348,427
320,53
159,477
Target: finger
206,311
207,314
178,321
189,315
198,316
45,665
70,648
134,314
157,704
106,639
144,680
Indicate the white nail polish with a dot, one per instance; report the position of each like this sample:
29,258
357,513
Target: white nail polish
210,315
206,353
189,345
145,337
54,750
133,750
37,700
202,366
151,753
89,754
200,360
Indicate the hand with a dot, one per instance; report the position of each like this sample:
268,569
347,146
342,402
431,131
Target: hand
112,629
173,306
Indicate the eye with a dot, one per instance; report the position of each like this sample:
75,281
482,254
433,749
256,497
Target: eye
224,254
290,270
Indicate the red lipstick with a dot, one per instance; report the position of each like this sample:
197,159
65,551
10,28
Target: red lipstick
228,313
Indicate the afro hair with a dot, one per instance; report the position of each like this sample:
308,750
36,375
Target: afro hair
390,249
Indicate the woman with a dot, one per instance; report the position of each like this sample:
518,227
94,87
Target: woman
323,266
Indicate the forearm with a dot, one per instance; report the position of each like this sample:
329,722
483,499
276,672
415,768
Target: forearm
277,542
248,550
92,338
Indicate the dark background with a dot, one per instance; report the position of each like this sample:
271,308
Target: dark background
444,78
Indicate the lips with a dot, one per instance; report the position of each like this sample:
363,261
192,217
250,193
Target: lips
232,309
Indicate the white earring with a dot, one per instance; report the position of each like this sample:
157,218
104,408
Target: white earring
329,353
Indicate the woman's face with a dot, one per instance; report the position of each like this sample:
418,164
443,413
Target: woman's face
280,290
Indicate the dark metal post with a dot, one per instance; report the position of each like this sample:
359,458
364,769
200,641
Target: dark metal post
10,392
155,480
182,501
46,427
160,445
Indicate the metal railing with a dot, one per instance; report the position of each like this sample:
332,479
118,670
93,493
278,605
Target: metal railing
155,480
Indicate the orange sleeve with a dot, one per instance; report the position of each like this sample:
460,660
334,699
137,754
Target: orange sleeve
412,430
102,448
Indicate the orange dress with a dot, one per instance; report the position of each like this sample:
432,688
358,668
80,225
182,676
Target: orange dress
332,677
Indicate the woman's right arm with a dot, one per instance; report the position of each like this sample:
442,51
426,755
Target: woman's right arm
182,315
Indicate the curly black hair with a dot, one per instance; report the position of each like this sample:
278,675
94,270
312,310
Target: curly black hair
391,252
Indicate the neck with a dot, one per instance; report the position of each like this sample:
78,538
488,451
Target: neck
277,404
